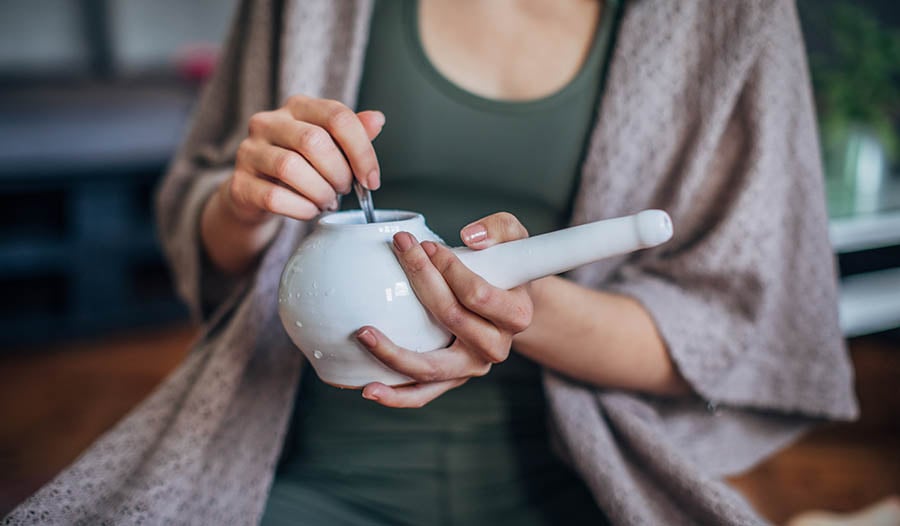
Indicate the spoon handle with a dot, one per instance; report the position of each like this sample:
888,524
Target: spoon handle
365,201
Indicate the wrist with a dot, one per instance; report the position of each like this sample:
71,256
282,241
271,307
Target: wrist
222,205
232,242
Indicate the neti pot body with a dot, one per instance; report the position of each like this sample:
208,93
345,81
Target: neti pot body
344,275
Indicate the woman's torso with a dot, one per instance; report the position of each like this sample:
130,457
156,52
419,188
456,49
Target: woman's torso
479,453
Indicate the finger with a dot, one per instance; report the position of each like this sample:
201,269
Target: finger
292,169
491,230
372,121
347,130
425,367
409,396
510,310
436,296
312,142
250,191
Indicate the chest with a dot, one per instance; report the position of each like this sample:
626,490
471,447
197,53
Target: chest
508,50
461,155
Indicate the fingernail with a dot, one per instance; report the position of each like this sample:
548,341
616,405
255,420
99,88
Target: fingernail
366,337
474,234
369,395
379,118
334,205
372,180
403,241
429,247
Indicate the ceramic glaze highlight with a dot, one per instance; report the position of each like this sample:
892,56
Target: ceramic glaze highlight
344,275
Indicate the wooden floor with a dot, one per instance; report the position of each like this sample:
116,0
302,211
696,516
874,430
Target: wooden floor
54,402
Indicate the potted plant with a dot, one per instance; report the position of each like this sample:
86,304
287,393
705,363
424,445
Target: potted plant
856,72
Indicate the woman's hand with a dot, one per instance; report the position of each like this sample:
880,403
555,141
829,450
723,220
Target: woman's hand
294,162
483,318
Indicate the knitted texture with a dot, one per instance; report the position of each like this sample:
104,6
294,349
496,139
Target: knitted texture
706,113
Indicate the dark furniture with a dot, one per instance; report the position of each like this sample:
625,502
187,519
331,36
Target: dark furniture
78,168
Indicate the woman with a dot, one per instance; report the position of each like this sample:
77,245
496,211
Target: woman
659,373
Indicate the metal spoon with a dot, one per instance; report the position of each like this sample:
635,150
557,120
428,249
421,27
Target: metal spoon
365,201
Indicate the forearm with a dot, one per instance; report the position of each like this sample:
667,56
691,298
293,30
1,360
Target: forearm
600,338
232,244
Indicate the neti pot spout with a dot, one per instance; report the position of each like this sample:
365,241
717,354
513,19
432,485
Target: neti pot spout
512,264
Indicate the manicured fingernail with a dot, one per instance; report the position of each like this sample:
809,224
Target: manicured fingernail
366,337
378,119
372,180
429,247
370,395
403,241
474,234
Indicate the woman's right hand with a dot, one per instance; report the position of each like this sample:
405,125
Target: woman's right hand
298,158
294,162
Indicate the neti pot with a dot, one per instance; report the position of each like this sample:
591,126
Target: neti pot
344,275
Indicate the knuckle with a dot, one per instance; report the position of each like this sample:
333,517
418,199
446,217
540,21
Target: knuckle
507,221
522,316
430,372
452,316
521,321
511,225
270,199
443,260
480,295
295,101
258,123
243,155
416,262
284,164
312,138
340,116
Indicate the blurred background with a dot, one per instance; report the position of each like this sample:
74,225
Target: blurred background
94,98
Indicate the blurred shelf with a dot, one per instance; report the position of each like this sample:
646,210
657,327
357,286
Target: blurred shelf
79,253
870,302
853,233
864,217
864,229
91,129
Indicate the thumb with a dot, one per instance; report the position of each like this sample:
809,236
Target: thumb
372,121
492,230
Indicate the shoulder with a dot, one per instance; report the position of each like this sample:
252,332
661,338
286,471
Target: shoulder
701,47
707,29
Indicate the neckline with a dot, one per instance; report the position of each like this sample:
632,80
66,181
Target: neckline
455,91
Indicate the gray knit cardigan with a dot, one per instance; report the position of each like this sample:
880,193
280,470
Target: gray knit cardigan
706,113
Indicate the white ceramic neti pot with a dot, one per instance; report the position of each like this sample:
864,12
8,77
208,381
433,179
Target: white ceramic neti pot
344,275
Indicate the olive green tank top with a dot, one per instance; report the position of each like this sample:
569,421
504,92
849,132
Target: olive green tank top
454,156
457,156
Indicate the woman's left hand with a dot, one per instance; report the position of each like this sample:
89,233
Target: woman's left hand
483,318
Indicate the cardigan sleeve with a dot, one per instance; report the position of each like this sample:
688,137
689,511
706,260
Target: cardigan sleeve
745,295
242,85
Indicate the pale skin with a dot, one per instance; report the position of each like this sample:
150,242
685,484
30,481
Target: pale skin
297,159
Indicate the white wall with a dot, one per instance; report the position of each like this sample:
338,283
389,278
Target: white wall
146,35
38,36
